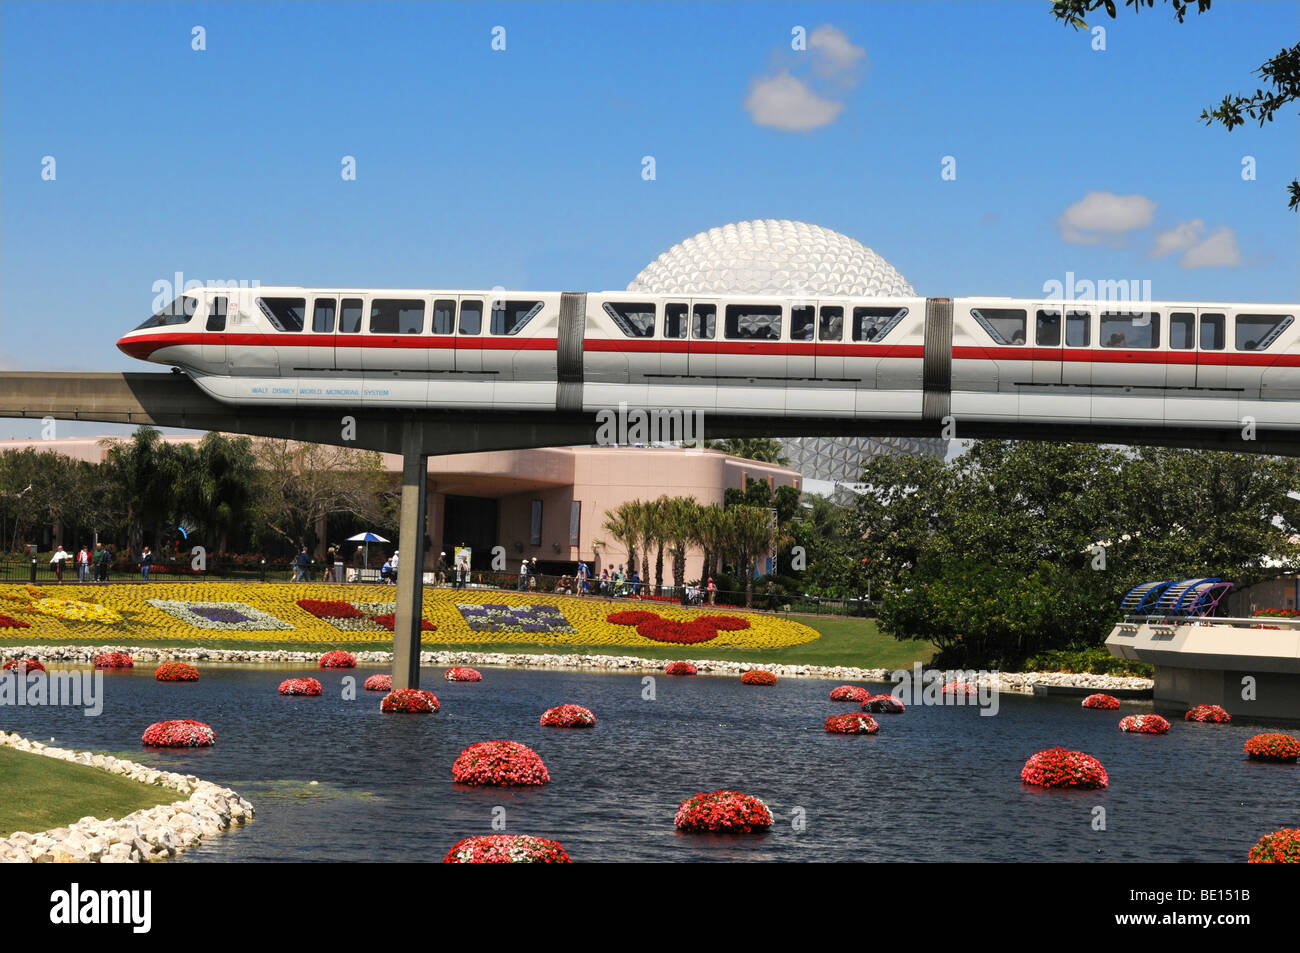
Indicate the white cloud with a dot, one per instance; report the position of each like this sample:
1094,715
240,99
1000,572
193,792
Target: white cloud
833,52
787,103
1219,250
1179,238
1105,216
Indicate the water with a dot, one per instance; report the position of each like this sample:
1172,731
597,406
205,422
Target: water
937,783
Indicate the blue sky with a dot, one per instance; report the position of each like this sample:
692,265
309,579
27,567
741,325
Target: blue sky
523,167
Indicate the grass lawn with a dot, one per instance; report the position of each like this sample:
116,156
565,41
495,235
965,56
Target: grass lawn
38,793
853,642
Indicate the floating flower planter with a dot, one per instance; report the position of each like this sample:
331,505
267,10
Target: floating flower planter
849,693
1273,746
1104,702
960,689
506,849
1279,847
1144,724
884,704
179,734
462,674
410,701
852,725
114,660
176,672
680,668
723,812
300,686
338,659
502,763
1211,714
24,666
1059,768
757,676
568,716
379,683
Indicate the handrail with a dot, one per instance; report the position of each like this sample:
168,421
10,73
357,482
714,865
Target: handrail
1176,620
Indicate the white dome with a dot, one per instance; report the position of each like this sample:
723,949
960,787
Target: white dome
771,256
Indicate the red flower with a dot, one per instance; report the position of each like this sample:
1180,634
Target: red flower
9,622
379,683
114,660
850,693
24,666
886,704
678,633
679,668
176,672
1144,724
757,676
503,763
1059,768
568,716
631,617
179,734
729,812
506,849
300,686
387,621
325,609
1273,746
724,623
1212,714
962,689
338,659
462,674
410,701
1105,702
1279,847
852,724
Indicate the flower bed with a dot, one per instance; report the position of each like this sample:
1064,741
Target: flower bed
631,617
724,623
536,618
756,676
1103,702
884,704
1211,714
1279,847
379,683
410,701
506,849
1273,746
330,609
850,693
460,673
24,666
75,611
1059,768
114,660
9,622
680,668
338,659
222,616
568,716
1144,724
179,734
300,686
960,689
852,724
388,620
723,812
176,672
502,763
676,632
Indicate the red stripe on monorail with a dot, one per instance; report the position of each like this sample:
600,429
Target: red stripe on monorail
1130,356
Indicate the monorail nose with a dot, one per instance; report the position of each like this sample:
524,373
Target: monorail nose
136,347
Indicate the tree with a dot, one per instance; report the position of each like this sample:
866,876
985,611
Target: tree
220,487
762,449
680,514
146,471
621,525
750,534
1283,71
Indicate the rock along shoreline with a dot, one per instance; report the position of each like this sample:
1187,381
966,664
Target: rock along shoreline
1021,683
154,833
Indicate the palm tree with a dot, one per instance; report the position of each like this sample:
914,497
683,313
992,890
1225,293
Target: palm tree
681,514
709,533
751,533
762,449
656,526
621,524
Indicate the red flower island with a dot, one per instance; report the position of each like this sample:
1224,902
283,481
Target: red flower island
680,668
1059,768
23,666
500,763
1144,724
723,812
568,716
1279,847
1210,714
176,672
114,660
183,733
758,677
851,724
379,683
338,659
411,701
849,693
1273,746
462,674
506,849
884,704
1101,701
300,686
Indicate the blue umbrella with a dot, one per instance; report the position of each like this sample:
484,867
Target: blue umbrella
367,538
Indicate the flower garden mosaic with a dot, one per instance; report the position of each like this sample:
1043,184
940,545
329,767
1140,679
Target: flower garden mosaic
500,617
221,615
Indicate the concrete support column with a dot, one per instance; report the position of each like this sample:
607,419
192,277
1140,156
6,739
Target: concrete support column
410,578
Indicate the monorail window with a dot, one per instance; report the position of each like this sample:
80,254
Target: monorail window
1078,328
832,323
1004,325
217,314
872,324
704,322
1213,332
1182,330
350,316
322,316
674,321
757,322
396,316
509,317
1130,329
1257,331
471,317
634,319
444,316
803,321
285,314
1047,329
179,311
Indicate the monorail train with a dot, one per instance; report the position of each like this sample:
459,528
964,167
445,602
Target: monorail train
994,359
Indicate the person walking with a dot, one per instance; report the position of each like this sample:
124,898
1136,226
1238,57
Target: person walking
582,579
83,565
102,560
57,561
393,564
146,561
523,575
713,592
300,566
440,570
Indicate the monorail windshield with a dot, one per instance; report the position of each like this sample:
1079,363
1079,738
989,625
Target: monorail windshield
179,311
